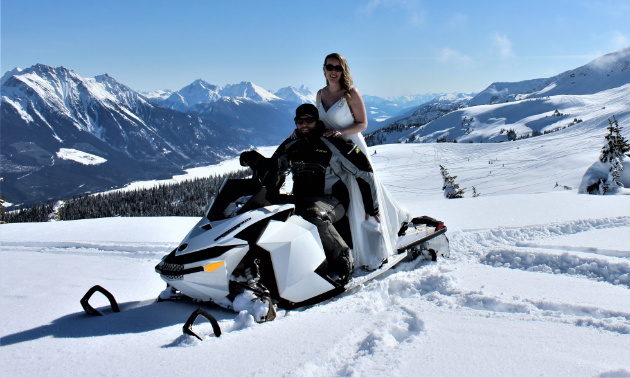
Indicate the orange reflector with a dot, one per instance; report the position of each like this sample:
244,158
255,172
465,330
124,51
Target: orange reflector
212,267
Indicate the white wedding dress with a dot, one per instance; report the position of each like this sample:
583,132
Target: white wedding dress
372,241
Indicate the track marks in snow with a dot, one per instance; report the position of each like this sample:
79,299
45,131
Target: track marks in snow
595,268
479,241
153,251
500,248
442,290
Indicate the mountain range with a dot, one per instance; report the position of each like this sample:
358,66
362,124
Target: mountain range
64,135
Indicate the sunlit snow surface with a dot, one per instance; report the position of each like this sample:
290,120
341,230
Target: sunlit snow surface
538,283
80,156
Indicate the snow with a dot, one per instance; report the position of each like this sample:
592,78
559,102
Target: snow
10,73
538,283
80,156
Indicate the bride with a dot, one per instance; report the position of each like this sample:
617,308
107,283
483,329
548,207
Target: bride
342,110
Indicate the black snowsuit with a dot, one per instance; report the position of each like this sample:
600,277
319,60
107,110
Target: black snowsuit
321,168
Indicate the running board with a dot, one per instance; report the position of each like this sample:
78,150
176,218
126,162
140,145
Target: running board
391,262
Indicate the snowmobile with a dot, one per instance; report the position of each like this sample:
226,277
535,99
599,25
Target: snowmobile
246,248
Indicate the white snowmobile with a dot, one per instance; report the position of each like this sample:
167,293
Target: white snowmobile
246,246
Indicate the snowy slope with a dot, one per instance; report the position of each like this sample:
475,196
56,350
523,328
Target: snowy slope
490,122
386,110
538,284
434,109
529,115
605,72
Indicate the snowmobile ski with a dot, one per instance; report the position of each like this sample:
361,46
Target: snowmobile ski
187,328
91,310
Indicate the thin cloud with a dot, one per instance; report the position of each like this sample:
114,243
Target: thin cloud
414,14
620,40
458,20
450,56
504,46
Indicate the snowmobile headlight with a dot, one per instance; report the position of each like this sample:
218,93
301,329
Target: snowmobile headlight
213,266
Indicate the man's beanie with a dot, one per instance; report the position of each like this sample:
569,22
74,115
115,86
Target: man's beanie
306,110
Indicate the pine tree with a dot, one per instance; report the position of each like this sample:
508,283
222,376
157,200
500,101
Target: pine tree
613,153
451,189
511,135
1,202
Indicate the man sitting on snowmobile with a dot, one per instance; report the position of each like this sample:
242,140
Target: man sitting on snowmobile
321,167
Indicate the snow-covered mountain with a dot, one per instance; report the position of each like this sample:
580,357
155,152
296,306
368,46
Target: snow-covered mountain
197,92
47,109
605,72
528,107
301,95
202,92
247,89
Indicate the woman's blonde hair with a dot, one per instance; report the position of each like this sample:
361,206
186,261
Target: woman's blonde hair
346,77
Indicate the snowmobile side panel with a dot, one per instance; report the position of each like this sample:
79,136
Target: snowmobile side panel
222,233
295,252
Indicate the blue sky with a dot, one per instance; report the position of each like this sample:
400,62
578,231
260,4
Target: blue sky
393,47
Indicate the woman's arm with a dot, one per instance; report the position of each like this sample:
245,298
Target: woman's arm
358,111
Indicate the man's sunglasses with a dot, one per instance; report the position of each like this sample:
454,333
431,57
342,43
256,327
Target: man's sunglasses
300,121
330,67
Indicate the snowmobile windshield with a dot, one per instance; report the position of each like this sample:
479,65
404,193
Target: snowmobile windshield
230,193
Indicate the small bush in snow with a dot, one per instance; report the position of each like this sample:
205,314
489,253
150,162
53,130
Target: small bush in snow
451,189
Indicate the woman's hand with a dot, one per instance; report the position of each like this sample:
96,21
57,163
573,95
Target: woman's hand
293,135
377,216
333,133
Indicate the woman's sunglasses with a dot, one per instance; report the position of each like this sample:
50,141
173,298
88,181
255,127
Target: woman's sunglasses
300,121
330,67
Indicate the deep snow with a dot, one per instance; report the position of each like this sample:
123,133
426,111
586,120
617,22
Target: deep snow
538,284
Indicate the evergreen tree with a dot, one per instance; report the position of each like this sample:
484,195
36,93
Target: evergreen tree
450,187
511,135
1,202
613,153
